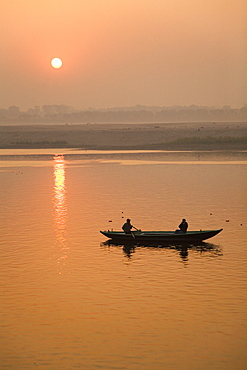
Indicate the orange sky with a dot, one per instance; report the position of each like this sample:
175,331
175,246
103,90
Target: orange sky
123,52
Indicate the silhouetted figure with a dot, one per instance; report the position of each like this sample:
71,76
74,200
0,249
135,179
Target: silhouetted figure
183,226
127,227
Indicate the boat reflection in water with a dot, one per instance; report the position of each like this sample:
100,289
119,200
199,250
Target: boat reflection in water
60,211
183,249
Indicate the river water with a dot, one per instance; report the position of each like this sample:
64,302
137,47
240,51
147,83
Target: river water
69,300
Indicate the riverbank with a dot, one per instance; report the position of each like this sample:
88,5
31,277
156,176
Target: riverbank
165,136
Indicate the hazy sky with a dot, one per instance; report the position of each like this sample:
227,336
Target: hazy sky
123,52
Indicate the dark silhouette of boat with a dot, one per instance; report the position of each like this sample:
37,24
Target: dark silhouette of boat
161,236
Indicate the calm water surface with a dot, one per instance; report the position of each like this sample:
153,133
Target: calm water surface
71,301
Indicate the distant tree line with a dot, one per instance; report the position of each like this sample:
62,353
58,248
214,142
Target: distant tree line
66,114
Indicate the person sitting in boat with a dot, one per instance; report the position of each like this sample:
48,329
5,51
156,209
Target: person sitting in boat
183,226
127,227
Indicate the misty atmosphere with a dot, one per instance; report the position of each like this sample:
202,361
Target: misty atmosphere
139,113
114,110
138,127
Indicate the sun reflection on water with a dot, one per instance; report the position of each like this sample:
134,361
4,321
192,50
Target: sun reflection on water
60,210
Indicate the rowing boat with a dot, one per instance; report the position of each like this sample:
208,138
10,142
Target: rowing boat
161,236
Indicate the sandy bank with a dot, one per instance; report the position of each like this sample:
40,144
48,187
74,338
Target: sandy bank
174,136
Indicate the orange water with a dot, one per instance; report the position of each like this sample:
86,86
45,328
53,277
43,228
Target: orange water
70,301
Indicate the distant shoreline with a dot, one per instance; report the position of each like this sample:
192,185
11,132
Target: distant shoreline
127,136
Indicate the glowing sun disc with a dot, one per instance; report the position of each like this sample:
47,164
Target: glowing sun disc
56,63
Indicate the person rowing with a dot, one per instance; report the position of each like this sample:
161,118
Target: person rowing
127,227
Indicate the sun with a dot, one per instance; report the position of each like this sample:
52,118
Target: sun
56,63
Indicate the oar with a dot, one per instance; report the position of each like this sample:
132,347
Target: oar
133,235
136,228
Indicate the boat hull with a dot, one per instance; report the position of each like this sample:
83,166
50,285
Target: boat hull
161,236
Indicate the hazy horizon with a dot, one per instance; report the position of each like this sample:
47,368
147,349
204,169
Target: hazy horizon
123,53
